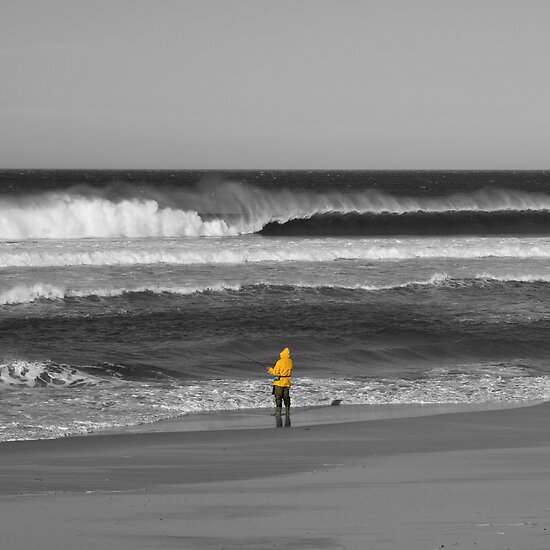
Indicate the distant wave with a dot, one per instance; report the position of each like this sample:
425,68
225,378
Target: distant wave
44,292
229,209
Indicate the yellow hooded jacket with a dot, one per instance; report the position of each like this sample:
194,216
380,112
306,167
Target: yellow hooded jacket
282,370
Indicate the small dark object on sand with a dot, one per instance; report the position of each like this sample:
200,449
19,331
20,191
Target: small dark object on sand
336,402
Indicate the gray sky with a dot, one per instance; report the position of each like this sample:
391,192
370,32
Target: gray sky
275,84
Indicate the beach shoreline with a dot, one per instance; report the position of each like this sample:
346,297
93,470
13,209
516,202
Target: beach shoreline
416,482
242,419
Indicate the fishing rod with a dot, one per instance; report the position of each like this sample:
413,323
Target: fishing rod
250,358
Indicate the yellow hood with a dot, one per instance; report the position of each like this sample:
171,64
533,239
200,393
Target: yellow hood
283,370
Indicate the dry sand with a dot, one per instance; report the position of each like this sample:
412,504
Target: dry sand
466,480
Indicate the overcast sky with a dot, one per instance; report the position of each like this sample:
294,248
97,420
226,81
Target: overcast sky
275,84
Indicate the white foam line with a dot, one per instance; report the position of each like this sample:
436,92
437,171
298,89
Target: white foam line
220,252
41,291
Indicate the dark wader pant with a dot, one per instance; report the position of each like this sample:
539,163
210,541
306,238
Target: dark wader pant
281,394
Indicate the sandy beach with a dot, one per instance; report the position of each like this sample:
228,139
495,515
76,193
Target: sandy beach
476,479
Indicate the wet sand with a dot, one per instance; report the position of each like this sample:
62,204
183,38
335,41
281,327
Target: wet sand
478,479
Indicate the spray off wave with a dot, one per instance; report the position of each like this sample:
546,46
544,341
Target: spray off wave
223,210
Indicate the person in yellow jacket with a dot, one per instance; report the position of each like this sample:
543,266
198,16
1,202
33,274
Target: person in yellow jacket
282,372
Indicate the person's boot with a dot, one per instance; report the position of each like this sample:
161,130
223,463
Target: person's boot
278,411
287,410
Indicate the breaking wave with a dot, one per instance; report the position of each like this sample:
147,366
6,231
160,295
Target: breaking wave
42,291
33,374
231,209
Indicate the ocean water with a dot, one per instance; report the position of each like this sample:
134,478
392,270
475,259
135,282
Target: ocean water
130,297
